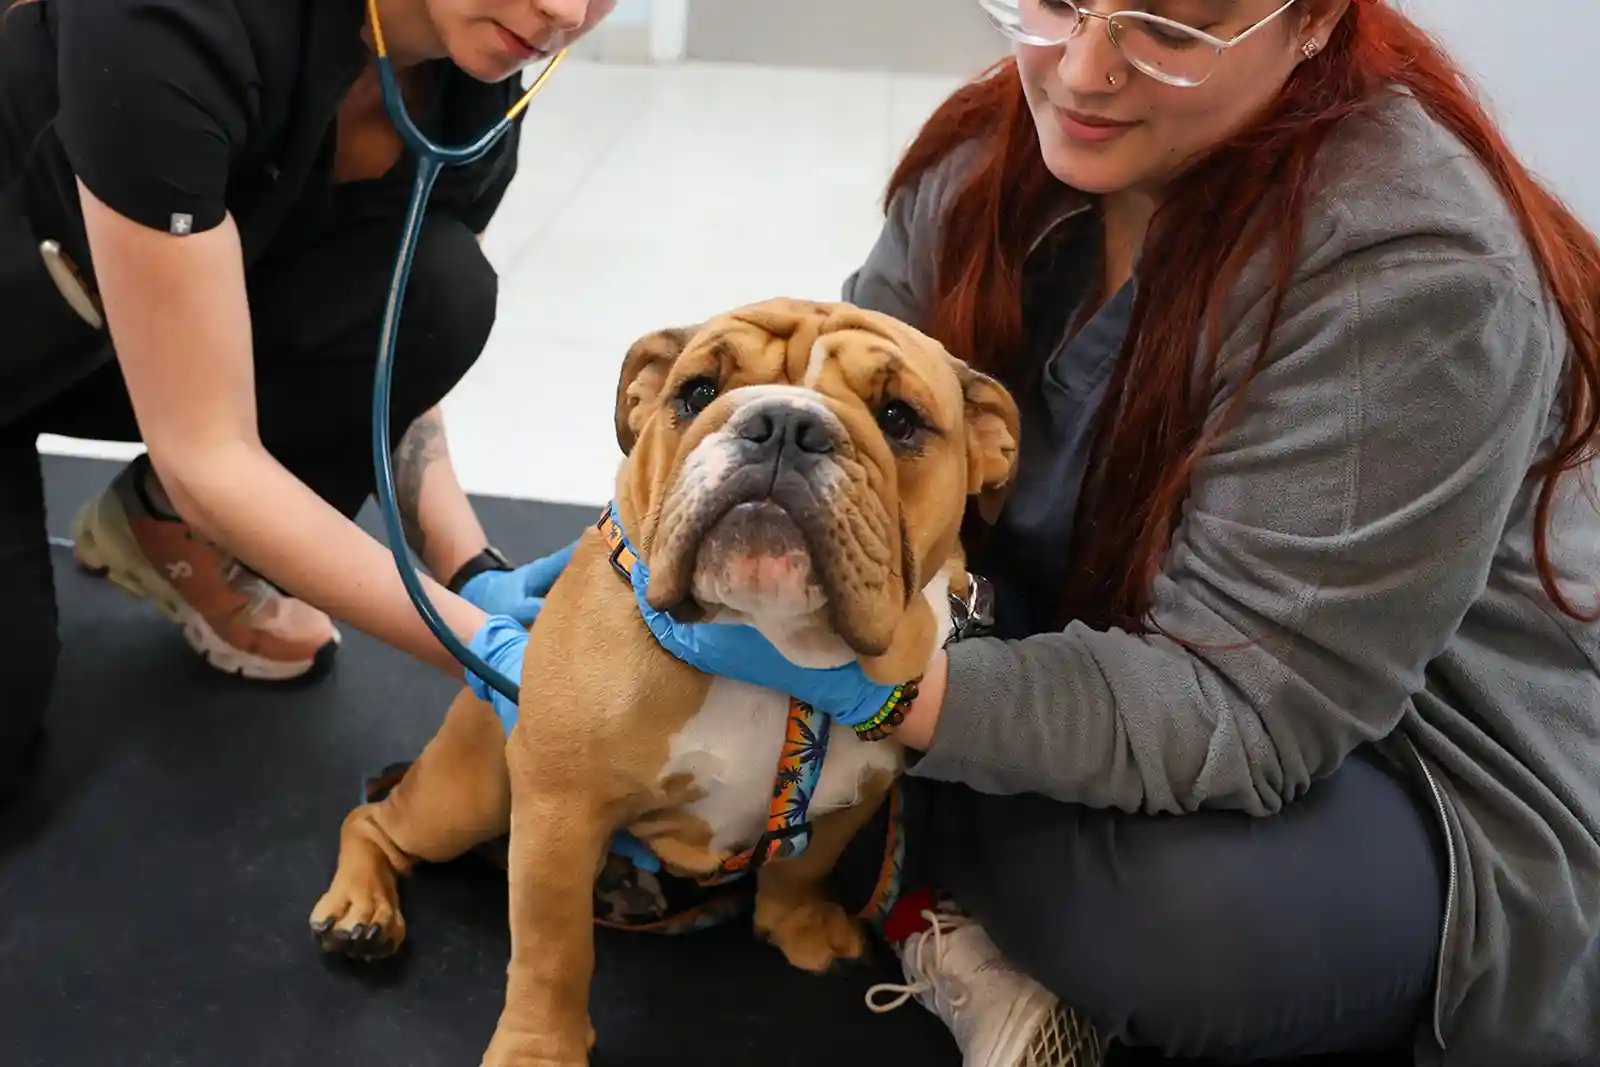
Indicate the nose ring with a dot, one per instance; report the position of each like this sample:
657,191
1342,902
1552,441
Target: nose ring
1112,79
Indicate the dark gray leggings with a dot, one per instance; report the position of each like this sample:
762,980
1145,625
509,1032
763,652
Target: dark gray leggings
1212,935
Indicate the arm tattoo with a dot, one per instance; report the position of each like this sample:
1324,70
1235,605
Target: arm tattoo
421,446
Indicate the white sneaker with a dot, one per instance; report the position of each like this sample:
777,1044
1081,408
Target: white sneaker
999,1016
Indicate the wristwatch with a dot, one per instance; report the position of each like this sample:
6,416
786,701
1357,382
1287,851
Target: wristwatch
972,616
489,559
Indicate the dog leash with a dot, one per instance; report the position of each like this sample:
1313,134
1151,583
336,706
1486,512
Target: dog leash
805,745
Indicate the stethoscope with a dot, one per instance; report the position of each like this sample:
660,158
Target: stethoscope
431,159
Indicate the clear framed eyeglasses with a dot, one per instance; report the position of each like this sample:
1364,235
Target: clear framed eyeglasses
1166,50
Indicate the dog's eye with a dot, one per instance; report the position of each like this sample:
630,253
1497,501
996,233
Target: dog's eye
900,422
696,395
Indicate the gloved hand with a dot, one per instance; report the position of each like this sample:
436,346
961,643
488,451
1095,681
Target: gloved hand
518,593
501,643
730,650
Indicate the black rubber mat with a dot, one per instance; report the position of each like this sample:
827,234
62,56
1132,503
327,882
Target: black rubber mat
154,892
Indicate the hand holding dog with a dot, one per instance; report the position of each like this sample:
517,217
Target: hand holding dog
515,597
513,600
519,593
845,694
502,643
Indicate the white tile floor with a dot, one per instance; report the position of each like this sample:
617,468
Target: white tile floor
651,196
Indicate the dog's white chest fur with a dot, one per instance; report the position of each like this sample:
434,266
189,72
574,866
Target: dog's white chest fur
731,749
732,745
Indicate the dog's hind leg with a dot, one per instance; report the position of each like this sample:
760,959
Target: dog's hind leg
793,908
453,797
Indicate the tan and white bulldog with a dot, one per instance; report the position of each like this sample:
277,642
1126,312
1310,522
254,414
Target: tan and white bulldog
801,467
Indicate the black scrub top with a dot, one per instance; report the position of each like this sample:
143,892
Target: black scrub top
178,112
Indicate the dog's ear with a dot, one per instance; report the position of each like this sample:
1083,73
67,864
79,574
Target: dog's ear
994,430
644,371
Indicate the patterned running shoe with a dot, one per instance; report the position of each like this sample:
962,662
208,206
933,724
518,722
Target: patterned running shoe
241,623
999,1016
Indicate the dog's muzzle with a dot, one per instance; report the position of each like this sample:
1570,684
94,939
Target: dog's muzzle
751,522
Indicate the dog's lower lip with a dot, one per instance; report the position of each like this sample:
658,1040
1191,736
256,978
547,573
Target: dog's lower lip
765,510
747,485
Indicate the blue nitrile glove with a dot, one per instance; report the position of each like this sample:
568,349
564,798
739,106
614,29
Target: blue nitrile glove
637,852
501,643
518,593
729,650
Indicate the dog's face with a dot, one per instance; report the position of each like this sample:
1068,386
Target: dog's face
793,459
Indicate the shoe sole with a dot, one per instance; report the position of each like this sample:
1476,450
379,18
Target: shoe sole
1071,1042
104,558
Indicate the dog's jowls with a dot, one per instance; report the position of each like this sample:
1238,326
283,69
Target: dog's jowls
804,468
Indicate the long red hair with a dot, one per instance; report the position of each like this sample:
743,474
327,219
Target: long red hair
1255,189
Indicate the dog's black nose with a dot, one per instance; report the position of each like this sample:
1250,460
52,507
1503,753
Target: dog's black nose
789,430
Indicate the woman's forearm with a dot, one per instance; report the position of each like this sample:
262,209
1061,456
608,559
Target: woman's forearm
179,314
440,525
245,501
922,717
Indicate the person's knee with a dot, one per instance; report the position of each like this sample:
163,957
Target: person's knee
1217,937
1186,985
1168,968
448,315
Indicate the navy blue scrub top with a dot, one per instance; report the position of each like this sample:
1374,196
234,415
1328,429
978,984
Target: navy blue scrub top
1062,385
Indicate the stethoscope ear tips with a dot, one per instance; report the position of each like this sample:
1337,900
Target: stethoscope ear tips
69,281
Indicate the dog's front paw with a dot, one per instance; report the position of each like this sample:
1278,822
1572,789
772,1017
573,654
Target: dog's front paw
813,933
511,1049
359,916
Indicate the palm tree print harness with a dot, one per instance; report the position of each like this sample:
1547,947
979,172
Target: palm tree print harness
805,744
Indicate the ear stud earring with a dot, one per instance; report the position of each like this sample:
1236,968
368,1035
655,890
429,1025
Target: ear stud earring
1310,48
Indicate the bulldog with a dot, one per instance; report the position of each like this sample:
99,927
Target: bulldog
801,468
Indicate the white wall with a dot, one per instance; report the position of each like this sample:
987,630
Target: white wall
1537,68
631,12
638,31
905,36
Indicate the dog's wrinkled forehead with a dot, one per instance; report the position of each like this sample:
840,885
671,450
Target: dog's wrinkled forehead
827,348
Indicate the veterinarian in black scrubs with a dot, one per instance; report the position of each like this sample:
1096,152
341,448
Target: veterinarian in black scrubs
199,206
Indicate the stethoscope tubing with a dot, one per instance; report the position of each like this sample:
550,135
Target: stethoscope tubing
425,147
432,158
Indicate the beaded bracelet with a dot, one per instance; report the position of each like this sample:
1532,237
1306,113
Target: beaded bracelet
892,714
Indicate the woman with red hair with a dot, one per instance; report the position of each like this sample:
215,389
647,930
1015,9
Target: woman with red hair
1288,742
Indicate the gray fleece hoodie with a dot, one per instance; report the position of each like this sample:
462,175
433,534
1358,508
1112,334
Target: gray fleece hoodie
1366,526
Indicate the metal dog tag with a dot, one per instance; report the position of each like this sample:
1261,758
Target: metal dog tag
974,616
